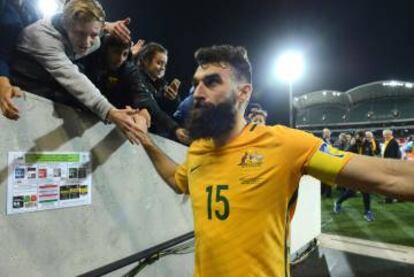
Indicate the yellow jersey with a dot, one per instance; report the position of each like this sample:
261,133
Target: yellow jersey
242,194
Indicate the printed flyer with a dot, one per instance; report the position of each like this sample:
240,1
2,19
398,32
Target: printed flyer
48,180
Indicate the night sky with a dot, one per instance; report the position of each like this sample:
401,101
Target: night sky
345,43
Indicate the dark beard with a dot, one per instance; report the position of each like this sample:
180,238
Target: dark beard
212,121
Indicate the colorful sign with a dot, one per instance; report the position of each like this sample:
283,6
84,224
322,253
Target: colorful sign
42,181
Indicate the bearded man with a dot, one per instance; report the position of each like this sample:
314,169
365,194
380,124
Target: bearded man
242,177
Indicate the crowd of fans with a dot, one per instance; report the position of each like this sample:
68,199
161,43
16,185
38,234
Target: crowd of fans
365,143
79,59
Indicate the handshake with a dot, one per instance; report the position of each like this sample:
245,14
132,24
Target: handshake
134,123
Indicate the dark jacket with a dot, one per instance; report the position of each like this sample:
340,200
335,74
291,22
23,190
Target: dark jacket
156,88
392,150
364,147
12,21
124,87
370,149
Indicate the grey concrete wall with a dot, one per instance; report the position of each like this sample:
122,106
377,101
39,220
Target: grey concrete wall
132,209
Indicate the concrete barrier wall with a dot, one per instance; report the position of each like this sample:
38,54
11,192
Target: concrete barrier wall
132,209
306,224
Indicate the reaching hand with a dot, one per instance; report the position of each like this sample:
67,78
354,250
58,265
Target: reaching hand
182,136
124,120
7,92
137,47
142,124
120,29
141,113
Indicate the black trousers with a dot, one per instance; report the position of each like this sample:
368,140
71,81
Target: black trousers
348,193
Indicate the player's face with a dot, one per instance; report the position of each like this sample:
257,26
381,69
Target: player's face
156,68
214,110
213,83
83,35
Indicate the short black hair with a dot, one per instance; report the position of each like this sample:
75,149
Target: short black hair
114,42
235,56
148,52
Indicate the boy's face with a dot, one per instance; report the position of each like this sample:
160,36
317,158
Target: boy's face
116,57
83,35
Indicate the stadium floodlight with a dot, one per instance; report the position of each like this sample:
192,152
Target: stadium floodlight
48,8
289,68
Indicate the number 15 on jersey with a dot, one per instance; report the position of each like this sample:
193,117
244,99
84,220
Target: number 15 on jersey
219,192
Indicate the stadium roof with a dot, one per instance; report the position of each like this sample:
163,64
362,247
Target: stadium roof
374,90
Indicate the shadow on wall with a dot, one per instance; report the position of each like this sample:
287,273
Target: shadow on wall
74,124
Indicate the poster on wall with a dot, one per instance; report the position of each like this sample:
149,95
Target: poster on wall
48,180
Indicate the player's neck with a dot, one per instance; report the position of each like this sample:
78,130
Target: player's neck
238,128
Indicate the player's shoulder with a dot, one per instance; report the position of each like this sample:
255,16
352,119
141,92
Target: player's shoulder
280,130
200,146
287,135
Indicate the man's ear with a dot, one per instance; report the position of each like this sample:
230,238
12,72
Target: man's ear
244,93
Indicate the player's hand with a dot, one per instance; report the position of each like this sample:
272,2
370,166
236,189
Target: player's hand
143,113
137,47
142,121
7,92
141,134
120,29
182,136
171,91
124,120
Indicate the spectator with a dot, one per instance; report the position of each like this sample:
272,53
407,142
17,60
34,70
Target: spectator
341,143
364,144
326,136
391,146
348,138
152,63
408,148
257,114
117,78
391,151
45,54
14,16
370,145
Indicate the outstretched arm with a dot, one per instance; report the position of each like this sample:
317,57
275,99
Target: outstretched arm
391,177
165,167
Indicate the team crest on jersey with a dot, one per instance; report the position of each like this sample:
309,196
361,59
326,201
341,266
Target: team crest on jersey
326,148
251,159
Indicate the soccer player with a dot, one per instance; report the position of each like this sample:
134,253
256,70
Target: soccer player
241,177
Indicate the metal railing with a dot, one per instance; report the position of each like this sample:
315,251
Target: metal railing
180,245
